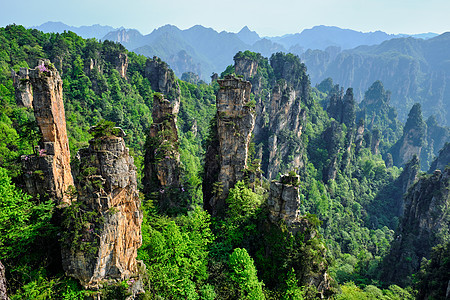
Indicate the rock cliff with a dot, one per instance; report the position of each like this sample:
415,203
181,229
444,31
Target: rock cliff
162,166
246,67
413,139
284,205
342,107
425,222
226,157
53,162
443,160
3,294
163,80
22,86
103,227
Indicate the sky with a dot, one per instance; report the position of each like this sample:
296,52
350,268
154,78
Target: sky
267,18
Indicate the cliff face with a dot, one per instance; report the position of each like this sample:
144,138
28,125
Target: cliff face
425,221
104,246
245,67
162,167
284,204
279,117
442,160
22,86
163,80
413,139
235,121
53,162
343,107
3,294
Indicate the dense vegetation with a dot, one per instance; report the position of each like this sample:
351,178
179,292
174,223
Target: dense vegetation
191,255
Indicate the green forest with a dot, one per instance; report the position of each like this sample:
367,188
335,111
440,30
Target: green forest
366,182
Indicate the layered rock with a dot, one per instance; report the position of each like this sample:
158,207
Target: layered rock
226,157
53,162
334,141
22,86
3,294
162,167
425,223
103,228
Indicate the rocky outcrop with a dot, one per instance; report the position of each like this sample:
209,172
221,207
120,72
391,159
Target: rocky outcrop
443,160
3,294
245,66
103,227
162,167
425,223
333,138
118,59
413,139
22,86
342,107
53,162
163,80
284,200
284,205
227,155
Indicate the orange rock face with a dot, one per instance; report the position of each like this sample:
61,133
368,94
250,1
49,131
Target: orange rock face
49,112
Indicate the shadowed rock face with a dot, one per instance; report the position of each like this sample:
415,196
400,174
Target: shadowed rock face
442,160
22,86
54,156
425,217
107,190
284,205
3,294
228,154
163,80
162,167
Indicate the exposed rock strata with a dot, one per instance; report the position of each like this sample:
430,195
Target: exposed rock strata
162,166
22,86
104,246
245,67
3,294
227,156
53,161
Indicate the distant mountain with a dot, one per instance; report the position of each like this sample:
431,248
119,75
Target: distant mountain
247,36
414,70
130,38
94,31
321,37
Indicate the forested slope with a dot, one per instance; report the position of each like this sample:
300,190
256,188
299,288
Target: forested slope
313,150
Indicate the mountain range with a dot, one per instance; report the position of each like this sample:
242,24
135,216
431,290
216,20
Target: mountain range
414,68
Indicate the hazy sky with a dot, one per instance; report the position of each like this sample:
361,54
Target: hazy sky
268,18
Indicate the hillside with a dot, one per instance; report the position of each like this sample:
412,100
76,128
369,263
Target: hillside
118,179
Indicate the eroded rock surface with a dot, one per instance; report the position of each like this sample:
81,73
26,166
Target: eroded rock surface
104,246
3,294
53,160
284,205
226,158
22,86
162,166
